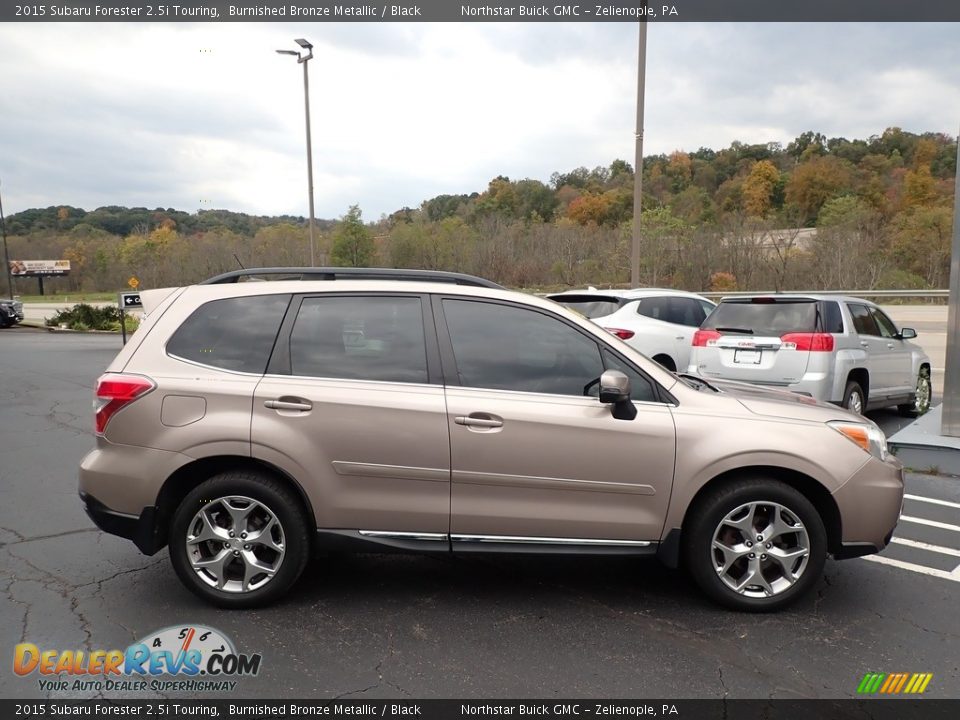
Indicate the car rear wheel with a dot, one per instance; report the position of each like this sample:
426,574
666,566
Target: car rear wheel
921,399
854,399
239,539
667,362
755,545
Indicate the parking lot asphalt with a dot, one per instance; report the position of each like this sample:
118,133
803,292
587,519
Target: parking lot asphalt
376,626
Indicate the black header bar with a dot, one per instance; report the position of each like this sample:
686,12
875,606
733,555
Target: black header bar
576,709
300,11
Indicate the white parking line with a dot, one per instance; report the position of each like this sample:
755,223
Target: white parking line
933,501
926,546
922,569
930,523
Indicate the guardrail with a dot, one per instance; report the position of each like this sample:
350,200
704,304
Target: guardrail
938,294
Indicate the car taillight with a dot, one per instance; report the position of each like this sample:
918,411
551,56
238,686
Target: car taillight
621,333
115,392
702,338
812,342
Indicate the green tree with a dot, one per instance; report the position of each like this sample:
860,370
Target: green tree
352,241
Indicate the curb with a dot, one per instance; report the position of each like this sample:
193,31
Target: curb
82,332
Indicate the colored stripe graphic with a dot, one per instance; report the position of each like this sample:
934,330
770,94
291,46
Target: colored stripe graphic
894,683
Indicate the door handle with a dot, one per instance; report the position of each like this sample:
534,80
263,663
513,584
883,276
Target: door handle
470,421
288,405
864,343
889,345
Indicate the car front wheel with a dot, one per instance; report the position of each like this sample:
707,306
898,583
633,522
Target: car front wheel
239,539
755,545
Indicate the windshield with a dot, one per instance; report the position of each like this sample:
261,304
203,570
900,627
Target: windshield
764,317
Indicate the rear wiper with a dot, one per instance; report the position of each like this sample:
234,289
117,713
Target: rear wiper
741,331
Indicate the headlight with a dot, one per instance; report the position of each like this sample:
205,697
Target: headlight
868,437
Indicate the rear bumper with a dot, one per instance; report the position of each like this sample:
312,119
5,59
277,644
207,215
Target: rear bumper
142,529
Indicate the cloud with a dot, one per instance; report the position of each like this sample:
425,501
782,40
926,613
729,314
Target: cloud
191,115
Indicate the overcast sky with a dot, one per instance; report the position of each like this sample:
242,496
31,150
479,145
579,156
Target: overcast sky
209,116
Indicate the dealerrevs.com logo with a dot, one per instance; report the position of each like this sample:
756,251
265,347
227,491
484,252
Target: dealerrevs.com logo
200,658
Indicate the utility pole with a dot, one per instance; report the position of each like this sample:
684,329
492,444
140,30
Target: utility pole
6,252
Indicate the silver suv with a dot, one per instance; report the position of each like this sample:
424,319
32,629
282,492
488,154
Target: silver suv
843,350
248,425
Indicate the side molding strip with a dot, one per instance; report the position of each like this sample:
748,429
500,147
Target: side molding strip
548,540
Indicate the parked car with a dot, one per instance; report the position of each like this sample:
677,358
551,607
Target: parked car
659,323
246,425
11,312
843,350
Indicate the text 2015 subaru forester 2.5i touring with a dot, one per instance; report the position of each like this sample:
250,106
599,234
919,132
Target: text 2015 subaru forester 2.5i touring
248,424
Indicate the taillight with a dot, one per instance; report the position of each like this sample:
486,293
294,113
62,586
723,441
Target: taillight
702,338
621,333
812,342
115,392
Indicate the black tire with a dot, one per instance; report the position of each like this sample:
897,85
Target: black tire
275,499
705,521
921,398
850,394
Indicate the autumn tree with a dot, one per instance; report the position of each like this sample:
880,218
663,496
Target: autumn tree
814,182
759,187
353,244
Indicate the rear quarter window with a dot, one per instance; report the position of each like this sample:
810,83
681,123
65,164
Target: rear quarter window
233,333
590,306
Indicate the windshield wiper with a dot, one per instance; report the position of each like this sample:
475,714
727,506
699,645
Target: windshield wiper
741,331
698,381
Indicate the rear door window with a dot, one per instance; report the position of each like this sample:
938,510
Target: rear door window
233,333
863,320
360,338
676,310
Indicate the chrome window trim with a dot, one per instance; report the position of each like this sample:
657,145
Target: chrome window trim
282,376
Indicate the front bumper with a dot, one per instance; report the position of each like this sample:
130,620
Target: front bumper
870,503
142,529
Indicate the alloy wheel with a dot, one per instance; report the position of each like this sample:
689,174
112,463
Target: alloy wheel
922,402
235,544
760,549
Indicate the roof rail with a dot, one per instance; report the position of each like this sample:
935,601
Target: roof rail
351,273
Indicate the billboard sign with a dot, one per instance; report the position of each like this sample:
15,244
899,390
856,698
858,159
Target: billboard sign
32,268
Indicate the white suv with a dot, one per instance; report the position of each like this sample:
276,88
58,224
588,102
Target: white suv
659,323
843,350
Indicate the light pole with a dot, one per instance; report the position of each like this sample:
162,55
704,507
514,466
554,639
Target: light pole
638,159
302,59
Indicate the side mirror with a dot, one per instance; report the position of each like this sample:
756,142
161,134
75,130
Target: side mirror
615,390
907,333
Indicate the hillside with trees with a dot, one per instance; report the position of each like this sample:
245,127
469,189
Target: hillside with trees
820,213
